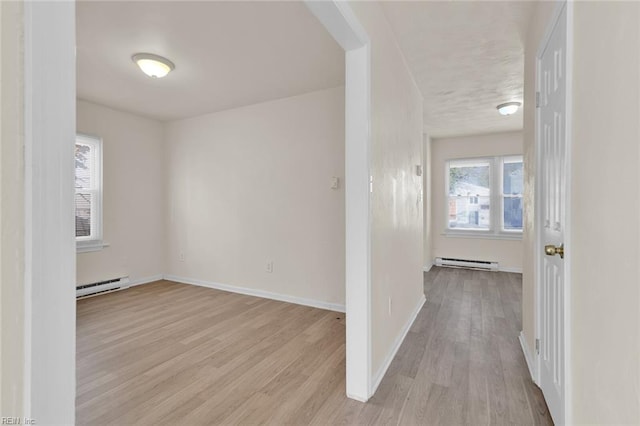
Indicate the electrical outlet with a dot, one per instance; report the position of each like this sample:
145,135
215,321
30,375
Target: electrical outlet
181,257
390,302
270,266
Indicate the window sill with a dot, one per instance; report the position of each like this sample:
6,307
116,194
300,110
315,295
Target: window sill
88,246
486,235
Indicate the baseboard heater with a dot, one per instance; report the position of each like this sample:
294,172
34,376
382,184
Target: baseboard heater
102,287
467,264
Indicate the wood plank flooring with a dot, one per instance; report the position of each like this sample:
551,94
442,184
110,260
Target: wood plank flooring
167,353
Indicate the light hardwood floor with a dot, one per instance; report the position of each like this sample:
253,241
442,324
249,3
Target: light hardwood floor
167,353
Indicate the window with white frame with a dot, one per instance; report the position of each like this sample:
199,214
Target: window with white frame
88,188
484,196
512,186
469,189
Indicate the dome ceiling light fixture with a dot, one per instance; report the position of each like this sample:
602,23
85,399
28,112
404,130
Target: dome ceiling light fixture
153,65
508,108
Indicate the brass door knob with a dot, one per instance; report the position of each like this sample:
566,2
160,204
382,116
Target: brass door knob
552,250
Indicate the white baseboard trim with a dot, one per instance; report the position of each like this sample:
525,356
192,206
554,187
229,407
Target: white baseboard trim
377,378
428,267
528,358
259,293
512,270
357,398
145,280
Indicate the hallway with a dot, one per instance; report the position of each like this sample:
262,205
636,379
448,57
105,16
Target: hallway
461,362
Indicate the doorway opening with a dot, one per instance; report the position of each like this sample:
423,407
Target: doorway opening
50,298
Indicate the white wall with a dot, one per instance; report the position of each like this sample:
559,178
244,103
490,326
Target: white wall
605,219
50,264
396,204
427,193
133,197
508,253
252,185
12,171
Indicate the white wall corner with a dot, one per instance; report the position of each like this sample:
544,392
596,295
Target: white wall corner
145,280
336,307
528,357
428,267
344,26
339,21
377,378
357,397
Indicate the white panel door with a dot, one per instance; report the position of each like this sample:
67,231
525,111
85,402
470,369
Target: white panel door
553,150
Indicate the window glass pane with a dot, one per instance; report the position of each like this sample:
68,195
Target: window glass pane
84,166
469,195
469,179
469,212
512,186
512,181
83,215
512,213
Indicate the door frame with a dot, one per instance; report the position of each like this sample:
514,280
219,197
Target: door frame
49,383
539,240
50,254
340,21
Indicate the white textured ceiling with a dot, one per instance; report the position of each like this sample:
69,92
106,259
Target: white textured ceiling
227,54
467,57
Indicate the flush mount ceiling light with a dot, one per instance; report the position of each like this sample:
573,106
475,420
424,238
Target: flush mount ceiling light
508,108
153,65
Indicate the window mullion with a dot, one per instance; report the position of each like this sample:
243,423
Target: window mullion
495,196
500,183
